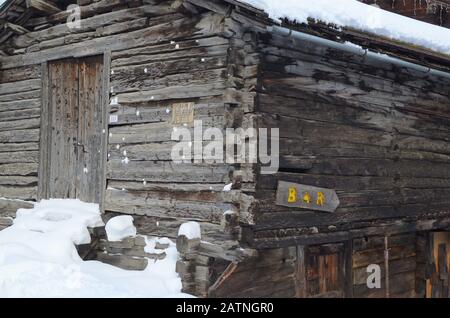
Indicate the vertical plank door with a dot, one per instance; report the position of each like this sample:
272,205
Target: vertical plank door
90,128
63,117
73,149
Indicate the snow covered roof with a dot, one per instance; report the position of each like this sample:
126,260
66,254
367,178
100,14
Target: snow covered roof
358,16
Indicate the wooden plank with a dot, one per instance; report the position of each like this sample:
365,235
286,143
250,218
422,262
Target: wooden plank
17,136
443,269
21,193
19,157
306,197
300,277
11,147
89,179
20,74
104,120
18,169
22,86
43,6
63,154
18,180
17,29
9,207
167,172
152,35
142,203
402,265
20,124
44,147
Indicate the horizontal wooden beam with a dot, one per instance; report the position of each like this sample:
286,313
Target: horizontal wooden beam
17,29
43,6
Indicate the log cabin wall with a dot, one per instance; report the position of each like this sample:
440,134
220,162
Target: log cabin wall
20,92
161,54
333,270
376,133
403,265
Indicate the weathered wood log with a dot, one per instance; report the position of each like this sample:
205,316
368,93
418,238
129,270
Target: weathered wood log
18,169
186,245
198,26
43,6
8,207
142,203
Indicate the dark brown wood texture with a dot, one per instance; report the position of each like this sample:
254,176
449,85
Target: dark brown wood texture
367,129
75,123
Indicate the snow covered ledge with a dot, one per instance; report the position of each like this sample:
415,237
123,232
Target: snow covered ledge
39,258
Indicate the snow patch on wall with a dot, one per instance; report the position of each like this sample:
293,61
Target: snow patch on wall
120,227
191,230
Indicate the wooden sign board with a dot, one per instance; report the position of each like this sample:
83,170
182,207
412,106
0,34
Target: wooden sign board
183,113
301,196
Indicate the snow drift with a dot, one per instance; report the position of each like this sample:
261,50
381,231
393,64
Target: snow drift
38,258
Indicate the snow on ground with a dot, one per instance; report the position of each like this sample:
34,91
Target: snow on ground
38,258
351,13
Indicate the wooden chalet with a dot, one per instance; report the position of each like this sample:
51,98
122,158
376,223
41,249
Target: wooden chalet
86,111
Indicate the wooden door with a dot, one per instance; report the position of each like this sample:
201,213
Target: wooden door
325,271
439,266
73,146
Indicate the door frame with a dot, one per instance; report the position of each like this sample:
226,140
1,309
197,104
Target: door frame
45,128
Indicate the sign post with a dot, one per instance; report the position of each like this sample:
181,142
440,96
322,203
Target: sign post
301,196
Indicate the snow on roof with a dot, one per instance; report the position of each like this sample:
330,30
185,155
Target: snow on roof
359,16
